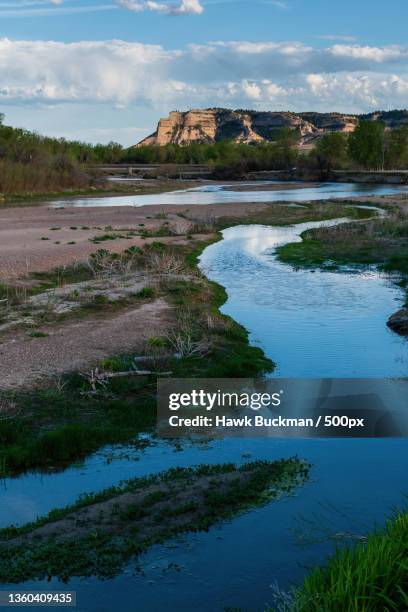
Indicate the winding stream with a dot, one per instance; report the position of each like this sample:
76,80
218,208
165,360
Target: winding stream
314,324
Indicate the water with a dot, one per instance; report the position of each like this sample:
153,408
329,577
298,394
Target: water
313,324
221,194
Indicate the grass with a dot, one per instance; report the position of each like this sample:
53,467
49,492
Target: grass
379,241
366,578
39,176
109,528
159,232
63,422
112,236
146,293
283,215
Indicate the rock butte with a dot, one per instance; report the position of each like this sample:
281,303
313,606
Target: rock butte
247,126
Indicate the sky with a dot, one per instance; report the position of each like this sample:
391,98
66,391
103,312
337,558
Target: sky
101,70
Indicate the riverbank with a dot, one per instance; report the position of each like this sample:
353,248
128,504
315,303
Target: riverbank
78,406
101,188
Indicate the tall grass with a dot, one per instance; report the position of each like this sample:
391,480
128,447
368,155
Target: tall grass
370,577
39,177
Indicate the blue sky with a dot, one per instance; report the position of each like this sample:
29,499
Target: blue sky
108,69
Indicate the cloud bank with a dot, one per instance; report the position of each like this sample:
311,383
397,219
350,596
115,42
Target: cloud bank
269,75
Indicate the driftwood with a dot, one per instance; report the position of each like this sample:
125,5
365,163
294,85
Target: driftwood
97,379
134,373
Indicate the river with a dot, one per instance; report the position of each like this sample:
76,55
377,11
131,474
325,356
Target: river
221,194
313,324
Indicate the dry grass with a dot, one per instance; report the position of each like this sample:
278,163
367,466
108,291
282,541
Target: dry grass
166,263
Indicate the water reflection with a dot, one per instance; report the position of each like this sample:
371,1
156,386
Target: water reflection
313,323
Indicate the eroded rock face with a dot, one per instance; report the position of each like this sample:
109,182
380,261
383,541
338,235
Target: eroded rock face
211,125
398,322
215,124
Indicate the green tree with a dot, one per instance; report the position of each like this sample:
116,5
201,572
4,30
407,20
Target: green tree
331,151
397,148
285,135
367,145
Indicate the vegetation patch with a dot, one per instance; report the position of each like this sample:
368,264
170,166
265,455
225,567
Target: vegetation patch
38,334
365,578
376,241
101,532
113,236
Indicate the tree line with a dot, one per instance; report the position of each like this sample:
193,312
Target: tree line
369,147
30,162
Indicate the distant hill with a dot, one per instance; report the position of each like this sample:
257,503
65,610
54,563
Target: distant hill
247,126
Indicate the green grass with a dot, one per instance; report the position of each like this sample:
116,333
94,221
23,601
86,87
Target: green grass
112,236
381,242
146,293
61,424
369,577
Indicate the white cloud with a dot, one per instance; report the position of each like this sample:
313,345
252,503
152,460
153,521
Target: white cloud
192,7
370,54
267,75
251,90
184,7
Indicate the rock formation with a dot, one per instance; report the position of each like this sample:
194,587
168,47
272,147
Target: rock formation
245,126
398,322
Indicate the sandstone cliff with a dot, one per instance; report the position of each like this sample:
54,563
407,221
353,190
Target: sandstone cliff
245,126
